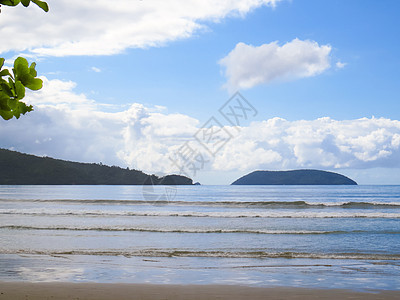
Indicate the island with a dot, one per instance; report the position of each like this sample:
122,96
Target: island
294,177
24,169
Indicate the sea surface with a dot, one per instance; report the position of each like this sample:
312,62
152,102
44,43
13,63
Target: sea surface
299,236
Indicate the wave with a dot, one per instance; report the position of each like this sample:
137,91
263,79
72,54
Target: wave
199,214
206,253
239,204
188,230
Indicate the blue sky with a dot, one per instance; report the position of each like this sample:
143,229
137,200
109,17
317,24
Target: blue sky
186,72
310,59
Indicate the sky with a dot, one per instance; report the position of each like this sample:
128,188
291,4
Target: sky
212,89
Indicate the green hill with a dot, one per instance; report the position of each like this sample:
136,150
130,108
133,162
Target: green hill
295,177
19,168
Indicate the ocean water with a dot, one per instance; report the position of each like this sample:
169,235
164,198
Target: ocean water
300,236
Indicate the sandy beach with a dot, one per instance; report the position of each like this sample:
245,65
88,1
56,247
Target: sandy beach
99,291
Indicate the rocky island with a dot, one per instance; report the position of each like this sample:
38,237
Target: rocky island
294,177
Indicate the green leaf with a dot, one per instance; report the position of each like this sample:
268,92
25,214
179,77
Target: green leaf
24,78
13,90
5,72
23,108
11,84
10,2
1,62
35,84
6,115
20,90
21,67
4,101
6,89
12,104
25,2
27,74
43,5
32,70
16,114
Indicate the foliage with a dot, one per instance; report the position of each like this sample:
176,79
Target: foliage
19,168
12,87
43,5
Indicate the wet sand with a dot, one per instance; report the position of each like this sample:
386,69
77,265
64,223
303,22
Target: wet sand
100,291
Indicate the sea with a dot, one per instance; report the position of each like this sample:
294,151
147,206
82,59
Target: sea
345,237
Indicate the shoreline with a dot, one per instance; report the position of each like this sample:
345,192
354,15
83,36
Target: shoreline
121,291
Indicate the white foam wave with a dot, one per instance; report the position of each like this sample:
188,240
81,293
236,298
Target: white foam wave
200,214
206,253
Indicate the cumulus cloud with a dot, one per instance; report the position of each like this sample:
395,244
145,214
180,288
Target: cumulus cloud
58,93
103,27
247,66
322,143
72,126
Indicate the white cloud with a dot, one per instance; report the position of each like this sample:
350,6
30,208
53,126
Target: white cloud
322,143
340,65
95,69
103,27
247,66
59,94
71,126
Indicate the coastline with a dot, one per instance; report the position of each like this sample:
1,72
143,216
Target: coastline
100,291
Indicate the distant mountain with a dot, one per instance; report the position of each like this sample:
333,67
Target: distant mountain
18,168
295,177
